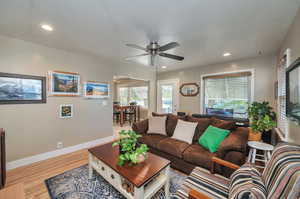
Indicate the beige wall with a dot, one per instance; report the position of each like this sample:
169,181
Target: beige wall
264,69
292,41
36,128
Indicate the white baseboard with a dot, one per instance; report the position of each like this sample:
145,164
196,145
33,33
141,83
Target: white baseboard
43,156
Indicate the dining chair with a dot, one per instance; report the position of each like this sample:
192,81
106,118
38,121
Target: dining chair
116,113
130,113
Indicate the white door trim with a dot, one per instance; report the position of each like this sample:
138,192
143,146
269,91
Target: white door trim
167,81
252,70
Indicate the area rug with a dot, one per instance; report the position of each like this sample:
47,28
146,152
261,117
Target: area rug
74,184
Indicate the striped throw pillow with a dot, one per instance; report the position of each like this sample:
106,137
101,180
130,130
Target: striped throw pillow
246,182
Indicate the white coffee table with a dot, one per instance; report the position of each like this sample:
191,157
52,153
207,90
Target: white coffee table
139,181
253,156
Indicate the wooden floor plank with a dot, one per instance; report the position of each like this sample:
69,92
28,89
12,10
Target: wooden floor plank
32,177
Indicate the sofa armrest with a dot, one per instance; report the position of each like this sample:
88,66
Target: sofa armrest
236,141
140,127
193,194
224,163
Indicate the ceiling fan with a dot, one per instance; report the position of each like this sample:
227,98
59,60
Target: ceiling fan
153,49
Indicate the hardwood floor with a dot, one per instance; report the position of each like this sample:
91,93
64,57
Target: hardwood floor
33,176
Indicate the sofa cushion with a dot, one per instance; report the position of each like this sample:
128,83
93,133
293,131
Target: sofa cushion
185,131
151,139
282,172
212,138
172,146
171,121
203,123
202,181
246,182
199,156
157,125
223,124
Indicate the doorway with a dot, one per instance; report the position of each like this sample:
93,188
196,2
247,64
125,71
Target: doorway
168,96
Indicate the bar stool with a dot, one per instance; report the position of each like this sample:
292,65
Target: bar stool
253,156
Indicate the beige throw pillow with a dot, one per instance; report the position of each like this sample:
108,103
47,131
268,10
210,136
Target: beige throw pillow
157,125
184,131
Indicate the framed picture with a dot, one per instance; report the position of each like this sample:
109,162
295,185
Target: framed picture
94,90
64,83
22,89
66,111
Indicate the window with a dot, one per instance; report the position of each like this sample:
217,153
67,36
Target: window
227,95
139,95
282,124
134,94
123,95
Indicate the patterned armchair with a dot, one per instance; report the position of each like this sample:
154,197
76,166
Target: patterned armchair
280,179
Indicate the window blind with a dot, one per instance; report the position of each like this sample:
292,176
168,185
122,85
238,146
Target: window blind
282,123
227,95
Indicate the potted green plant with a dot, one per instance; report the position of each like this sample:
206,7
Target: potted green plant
130,150
262,118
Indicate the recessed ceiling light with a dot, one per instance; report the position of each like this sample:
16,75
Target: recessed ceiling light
47,27
164,67
226,54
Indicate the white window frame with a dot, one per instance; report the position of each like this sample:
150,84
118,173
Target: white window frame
128,97
284,136
252,70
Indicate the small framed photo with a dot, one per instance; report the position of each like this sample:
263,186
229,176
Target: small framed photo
22,89
92,89
64,83
66,111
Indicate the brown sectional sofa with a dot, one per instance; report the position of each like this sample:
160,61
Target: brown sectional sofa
184,156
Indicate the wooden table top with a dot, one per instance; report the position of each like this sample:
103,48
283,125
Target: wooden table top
137,174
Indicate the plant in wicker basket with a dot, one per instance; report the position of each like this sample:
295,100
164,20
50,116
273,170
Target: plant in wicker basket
262,119
130,150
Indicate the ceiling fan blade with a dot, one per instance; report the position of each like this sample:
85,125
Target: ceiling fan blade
168,46
179,58
136,56
136,47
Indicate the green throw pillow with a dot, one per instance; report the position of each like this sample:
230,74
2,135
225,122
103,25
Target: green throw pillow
212,138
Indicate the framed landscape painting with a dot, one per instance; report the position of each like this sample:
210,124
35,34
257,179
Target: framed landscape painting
22,89
64,83
66,111
96,90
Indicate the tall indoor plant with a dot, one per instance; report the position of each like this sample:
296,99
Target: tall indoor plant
262,119
130,150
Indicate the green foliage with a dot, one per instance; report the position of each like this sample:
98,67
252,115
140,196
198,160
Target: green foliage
262,116
258,110
130,150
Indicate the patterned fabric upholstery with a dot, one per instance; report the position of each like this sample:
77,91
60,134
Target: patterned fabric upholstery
282,173
280,179
246,182
214,186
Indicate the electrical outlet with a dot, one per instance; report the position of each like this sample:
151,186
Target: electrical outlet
59,145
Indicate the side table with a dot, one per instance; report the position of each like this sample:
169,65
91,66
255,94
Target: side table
253,156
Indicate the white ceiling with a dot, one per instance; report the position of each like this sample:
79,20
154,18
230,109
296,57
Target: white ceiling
205,29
